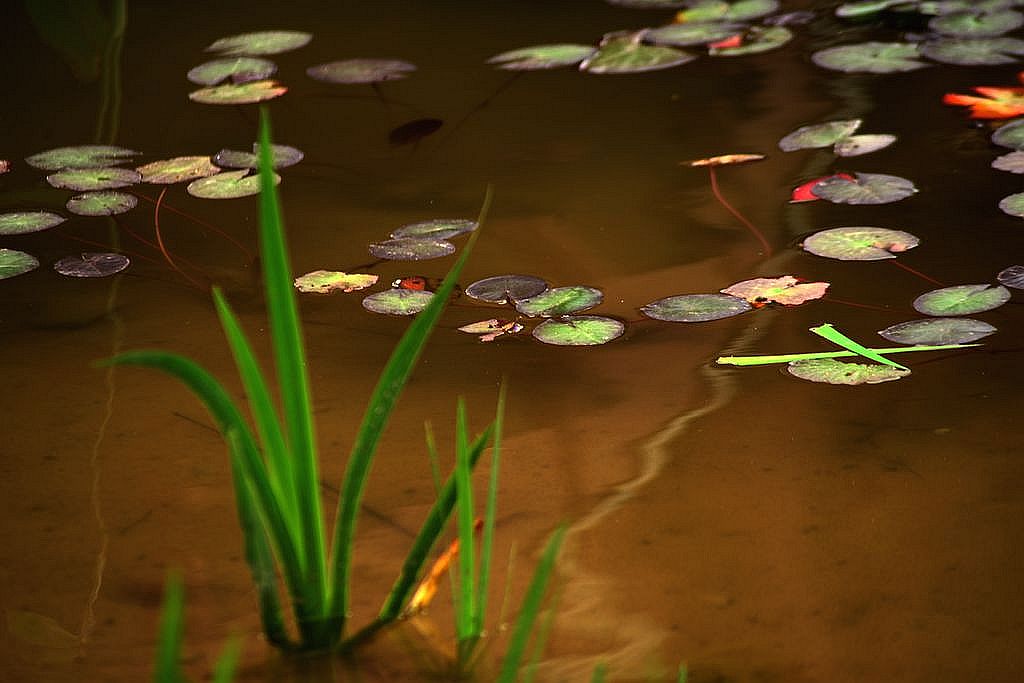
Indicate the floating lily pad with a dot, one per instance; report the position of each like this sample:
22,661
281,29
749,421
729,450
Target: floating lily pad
177,170
398,301
579,330
876,58
13,262
648,4
985,51
560,301
1013,204
282,156
502,289
106,203
694,33
1012,277
698,11
962,299
239,93
819,135
327,281
831,371
238,69
542,57
868,188
227,185
850,10
411,249
361,71
624,52
1011,135
437,228
1012,162
971,24
261,43
859,243
726,160
81,156
803,193
746,10
855,145
695,308
757,39
21,222
785,290
938,331
88,179
489,330
91,264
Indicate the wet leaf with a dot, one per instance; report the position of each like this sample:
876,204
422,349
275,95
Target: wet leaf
867,7
695,308
694,33
624,52
727,160
868,188
1010,135
859,243
819,135
91,264
755,40
803,193
238,69
855,145
872,57
1013,204
239,93
971,24
81,156
21,222
502,289
579,330
489,330
261,43
327,281
986,51
436,228
412,132
411,249
938,331
560,301
1012,277
227,185
106,203
962,299
13,262
1012,162
361,71
785,290
37,629
282,156
177,170
542,57
87,179
397,301
830,371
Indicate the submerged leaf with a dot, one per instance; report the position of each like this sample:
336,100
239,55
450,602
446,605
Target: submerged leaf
855,145
1012,277
859,243
238,69
105,203
397,301
261,43
81,156
961,299
502,289
227,185
351,71
411,249
755,40
819,135
872,57
973,24
177,170
560,301
695,308
87,179
984,51
830,371
412,132
867,188
327,281
938,331
239,93
624,52
542,57
21,222
14,262
785,290
436,228
91,264
579,330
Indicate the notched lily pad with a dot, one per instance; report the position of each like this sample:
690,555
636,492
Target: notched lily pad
974,24
327,281
980,52
14,262
755,40
786,290
694,33
625,52
351,71
502,289
936,331
177,170
855,145
1012,277
819,135
831,371
88,179
92,264
80,156
227,185
1013,204
261,43
859,243
579,330
868,188
1010,135
106,203
239,93
560,301
436,228
411,249
282,156
237,69
962,299
539,57
1012,162
22,222
695,308
871,57
398,301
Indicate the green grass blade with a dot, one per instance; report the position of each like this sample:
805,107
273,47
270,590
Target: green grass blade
465,615
168,654
745,361
683,674
600,672
490,515
837,337
224,670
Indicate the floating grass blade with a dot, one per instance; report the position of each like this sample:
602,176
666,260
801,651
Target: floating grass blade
790,357
168,668
836,337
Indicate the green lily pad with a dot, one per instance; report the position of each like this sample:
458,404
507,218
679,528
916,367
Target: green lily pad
398,301
560,301
106,203
238,69
867,188
746,10
502,289
984,51
786,290
819,135
177,170
579,330
971,24
648,4
699,11
239,93
21,222
411,249
831,371
13,262
694,33
88,179
872,57
91,264
695,308
1012,277
1012,162
327,281
361,71
261,43
938,331
282,156
855,145
859,243
1010,135
1013,204
437,228
849,10
757,39
542,57
962,299
227,185
81,156
624,52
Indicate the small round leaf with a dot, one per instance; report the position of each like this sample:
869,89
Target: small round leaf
89,179
819,135
361,71
855,145
876,58
398,301
983,51
238,69
91,264
560,301
868,188
831,371
961,300
177,170
227,185
622,53
542,57
757,39
1010,135
859,243
327,281
1012,277
1013,204
938,331
106,203
239,93
1012,162
437,228
13,262
502,289
972,24
579,330
411,249
81,156
261,43
21,222
694,33
695,308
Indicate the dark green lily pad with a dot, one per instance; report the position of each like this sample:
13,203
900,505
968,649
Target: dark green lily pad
282,156
579,330
872,57
855,145
859,243
238,69
177,170
831,371
819,135
542,57
14,262
695,308
411,249
437,228
971,24
1010,135
239,93
21,222
106,203
938,331
746,10
694,33
227,185
502,289
91,264
560,301
261,43
962,299
624,52
88,179
1013,204
361,71
868,188
81,156
1012,162
398,301
985,51
1012,277
756,40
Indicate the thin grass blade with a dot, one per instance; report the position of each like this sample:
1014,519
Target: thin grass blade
172,627
465,615
227,663
600,671
837,337
490,515
790,357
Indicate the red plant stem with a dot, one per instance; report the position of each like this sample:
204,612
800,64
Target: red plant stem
105,247
740,217
160,242
854,303
200,221
917,273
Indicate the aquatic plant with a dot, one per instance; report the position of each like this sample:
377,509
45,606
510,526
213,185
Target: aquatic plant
172,625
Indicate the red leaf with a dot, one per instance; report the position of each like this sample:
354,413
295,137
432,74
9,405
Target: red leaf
804,194
733,41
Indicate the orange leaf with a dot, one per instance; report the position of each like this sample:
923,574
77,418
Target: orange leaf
726,159
425,592
733,41
995,103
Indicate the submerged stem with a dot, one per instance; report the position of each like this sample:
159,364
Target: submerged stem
740,217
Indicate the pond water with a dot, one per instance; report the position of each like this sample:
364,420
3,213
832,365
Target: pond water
753,525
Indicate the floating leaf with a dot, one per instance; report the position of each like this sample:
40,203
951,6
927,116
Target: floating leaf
695,308
502,289
227,185
542,57
81,156
867,188
804,192
361,71
489,330
411,249
830,371
1012,162
1010,135
727,160
238,69
102,203
177,170
261,43
938,331
855,145
819,135
21,222
785,290
38,629
757,39
417,282
239,93
436,228
624,52
864,8
745,10
87,179
971,24
994,103
648,4
1012,277
327,281
91,264
282,156
694,33
579,330
986,51
1013,204
560,301
859,243
13,262
412,132
876,58
702,11
962,299
397,301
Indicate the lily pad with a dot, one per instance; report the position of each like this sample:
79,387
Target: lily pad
542,57
757,39
437,228
88,179
502,289
1012,277
938,331
261,43
238,69
81,156
850,10
398,301
819,135
106,203
1013,204
327,281
855,145
831,371
14,262
177,170
411,249
1010,135
695,308
859,243
786,290
648,4
239,93
971,24
91,264
962,299
560,301
745,10
868,188
872,57
489,330
361,71
227,185
579,330
624,52
803,193
985,51
282,156
1012,162
694,33
21,222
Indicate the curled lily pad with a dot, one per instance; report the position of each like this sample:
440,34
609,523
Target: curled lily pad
831,371
21,222
88,179
625,52
227,185
361,70
1012,162
397,301
579,330
436,228
695,308
855,145
872,57
502,289
560,301
786,290
542,57
972,24
327,281
411,249
14,262
282,156
859,243
694,33
1012,277
261,43
106,203
755,40
868,188
177,170
489,330
239,93
961,299
819,135
1010,135
81,156
984,51
938,331
238,69
91,264
726,160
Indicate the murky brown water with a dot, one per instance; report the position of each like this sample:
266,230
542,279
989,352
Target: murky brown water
757,527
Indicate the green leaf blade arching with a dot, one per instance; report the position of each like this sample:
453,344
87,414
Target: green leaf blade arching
961,300
172,630
836,337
